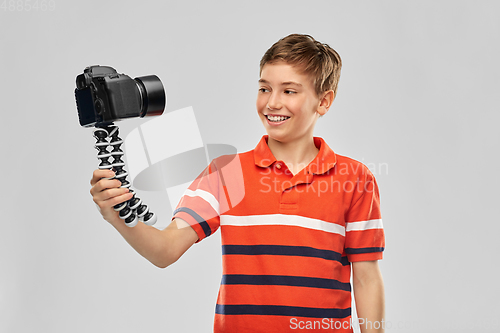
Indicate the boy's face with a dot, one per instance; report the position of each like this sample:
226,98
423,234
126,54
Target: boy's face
287,103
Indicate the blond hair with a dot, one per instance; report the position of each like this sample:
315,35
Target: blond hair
313,58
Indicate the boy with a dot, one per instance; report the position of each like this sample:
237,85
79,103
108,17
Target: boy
303,217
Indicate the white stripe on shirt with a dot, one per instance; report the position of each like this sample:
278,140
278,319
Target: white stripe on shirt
281,219
364,225
207,196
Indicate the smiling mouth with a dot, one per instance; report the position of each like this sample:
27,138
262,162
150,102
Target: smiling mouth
276,119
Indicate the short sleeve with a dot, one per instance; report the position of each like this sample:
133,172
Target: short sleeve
365,239
199,205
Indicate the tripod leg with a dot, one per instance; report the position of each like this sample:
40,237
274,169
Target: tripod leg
125,213
133,209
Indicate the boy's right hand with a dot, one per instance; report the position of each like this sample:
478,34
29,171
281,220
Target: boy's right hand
107,193
161,247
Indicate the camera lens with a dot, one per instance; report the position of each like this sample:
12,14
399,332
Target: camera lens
152,95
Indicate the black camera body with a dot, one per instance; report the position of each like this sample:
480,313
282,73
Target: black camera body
104,96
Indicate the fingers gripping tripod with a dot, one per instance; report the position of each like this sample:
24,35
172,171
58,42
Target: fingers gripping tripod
132,210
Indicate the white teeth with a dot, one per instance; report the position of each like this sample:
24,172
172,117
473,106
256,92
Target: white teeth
277,118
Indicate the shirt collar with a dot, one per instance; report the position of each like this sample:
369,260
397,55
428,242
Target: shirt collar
324,161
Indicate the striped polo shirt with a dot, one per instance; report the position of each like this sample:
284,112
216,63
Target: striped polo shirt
287,240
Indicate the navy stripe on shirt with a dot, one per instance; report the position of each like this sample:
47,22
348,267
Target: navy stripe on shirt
364,250
204,225
280,310
285,280
284,250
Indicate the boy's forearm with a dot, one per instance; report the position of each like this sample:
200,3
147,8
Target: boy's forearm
161,247
146,240
370,301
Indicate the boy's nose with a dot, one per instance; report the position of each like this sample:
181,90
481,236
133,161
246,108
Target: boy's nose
273,103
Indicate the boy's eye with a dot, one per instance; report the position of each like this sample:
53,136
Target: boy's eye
289,92
263,90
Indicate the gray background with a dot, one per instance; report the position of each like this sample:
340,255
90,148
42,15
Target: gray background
416,101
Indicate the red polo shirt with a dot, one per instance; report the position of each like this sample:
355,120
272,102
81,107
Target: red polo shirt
287,240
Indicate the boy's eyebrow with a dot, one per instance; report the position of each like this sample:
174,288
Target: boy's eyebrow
287,83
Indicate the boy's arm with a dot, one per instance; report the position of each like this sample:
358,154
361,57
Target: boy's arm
368,288
160,247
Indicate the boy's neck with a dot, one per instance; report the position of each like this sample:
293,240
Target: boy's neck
296,154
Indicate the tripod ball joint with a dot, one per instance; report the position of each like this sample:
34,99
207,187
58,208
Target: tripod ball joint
134,209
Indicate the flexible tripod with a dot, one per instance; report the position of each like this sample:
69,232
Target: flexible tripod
132,210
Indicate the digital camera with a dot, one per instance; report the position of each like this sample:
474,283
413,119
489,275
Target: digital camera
104,96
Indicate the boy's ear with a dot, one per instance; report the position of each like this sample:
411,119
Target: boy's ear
325,102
